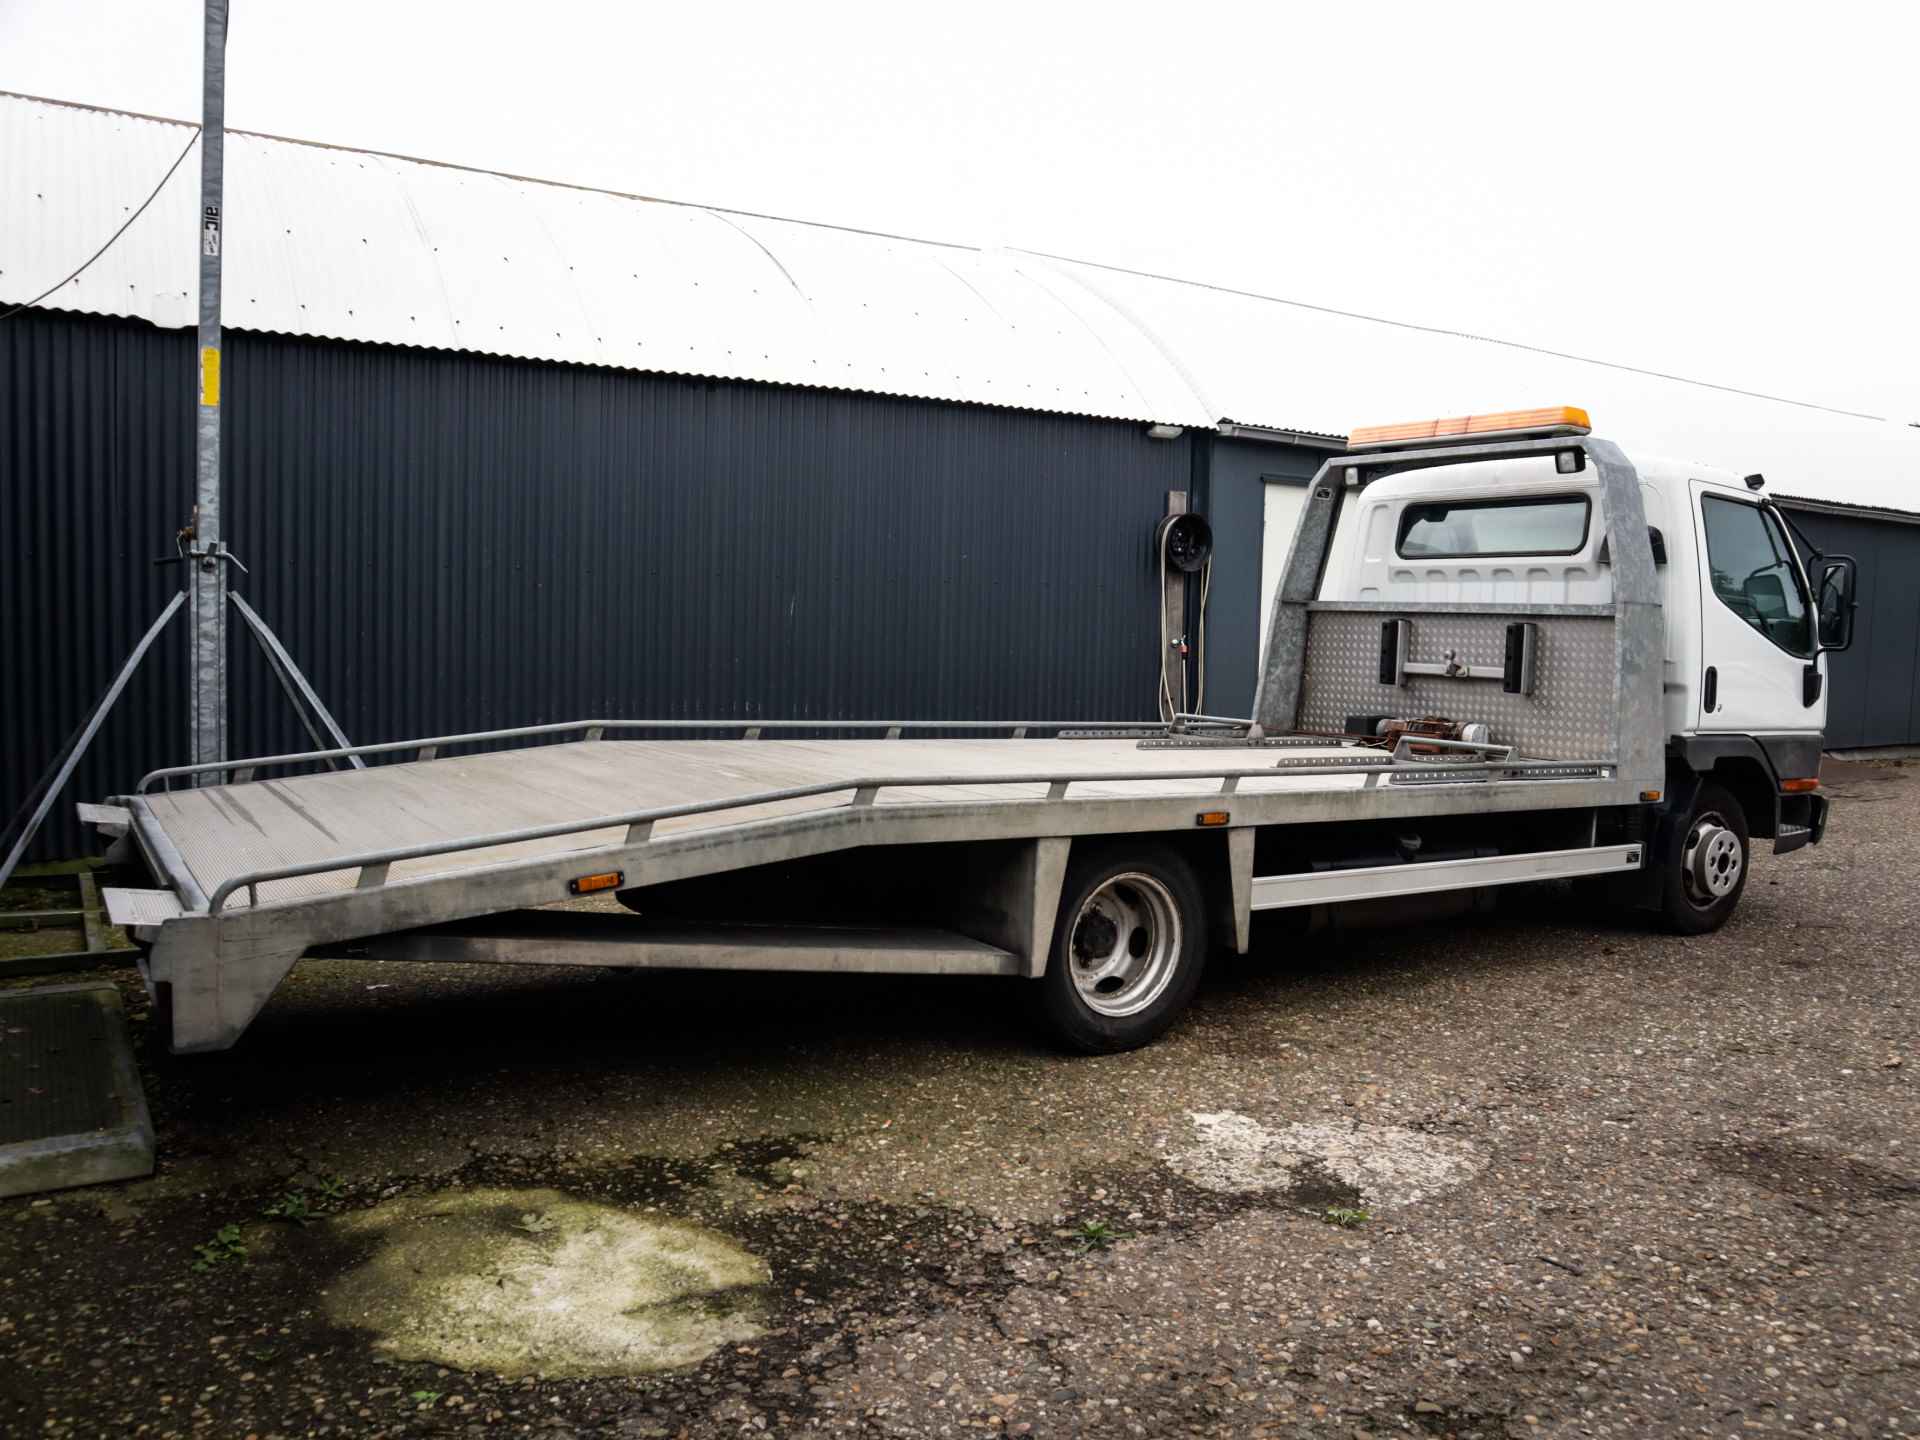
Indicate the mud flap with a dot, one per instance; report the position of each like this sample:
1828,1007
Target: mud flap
1015,898
1240,887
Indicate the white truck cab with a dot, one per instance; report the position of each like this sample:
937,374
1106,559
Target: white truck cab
1740,642
1744,627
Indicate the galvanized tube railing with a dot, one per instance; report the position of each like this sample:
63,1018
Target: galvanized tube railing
594,729
864,790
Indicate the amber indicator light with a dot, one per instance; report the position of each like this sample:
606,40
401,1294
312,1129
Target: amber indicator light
605,880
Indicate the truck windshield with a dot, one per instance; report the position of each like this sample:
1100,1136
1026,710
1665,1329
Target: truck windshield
1455,529
1754,573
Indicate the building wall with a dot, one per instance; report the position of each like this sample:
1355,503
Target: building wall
449,542
1254,494
1874,694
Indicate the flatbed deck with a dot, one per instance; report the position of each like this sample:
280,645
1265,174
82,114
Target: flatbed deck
259,872
226,831
303,838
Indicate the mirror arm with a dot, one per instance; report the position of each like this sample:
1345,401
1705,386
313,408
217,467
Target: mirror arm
1797,533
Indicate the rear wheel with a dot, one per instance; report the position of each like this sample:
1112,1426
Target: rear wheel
1705,878
1128,947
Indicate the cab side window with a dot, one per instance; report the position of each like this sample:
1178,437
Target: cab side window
1754,574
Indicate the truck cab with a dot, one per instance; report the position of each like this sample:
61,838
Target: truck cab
1742,656
1744,627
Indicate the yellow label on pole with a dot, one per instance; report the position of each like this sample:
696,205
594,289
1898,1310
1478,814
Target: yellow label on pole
210,375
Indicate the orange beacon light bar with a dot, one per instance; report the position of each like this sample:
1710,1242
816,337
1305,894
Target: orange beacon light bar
1551,420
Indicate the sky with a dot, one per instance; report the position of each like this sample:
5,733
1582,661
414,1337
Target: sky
1722,192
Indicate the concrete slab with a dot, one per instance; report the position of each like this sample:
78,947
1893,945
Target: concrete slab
71,1108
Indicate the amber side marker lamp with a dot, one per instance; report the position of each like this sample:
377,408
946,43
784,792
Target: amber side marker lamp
605,880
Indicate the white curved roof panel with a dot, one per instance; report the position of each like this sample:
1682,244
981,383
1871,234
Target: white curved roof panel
356,246
352,245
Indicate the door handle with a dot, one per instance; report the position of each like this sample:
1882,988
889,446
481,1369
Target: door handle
1710,691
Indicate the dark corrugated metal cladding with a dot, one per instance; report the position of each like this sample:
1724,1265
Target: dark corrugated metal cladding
96,475
454,542
1873,689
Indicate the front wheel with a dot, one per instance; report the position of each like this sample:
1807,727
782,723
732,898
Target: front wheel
1704,880
1128,947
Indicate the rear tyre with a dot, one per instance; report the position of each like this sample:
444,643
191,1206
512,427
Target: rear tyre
1128,947
1708,872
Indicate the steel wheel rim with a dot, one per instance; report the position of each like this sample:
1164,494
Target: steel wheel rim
1711,862
1124,945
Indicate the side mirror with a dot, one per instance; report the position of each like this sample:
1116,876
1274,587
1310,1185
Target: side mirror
1836,602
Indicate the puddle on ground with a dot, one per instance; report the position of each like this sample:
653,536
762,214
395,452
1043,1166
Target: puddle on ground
526,1282
1235,1154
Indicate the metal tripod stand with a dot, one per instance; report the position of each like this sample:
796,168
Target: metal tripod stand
204,564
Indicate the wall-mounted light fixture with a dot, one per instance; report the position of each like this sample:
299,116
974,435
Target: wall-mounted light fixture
1165,432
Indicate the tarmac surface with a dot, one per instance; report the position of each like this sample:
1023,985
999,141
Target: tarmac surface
1529,1175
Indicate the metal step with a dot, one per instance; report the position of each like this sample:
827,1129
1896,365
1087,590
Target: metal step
132,908
112,820
1375,882
562,937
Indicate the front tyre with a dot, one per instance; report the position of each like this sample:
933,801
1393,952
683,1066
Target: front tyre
1128,947
1705,878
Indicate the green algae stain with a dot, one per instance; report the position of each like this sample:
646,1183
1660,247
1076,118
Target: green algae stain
467,1279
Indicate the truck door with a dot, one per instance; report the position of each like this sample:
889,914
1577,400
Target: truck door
1756,628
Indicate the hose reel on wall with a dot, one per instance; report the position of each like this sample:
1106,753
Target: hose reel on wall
1184,543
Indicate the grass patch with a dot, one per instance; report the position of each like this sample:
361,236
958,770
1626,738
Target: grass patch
22,944
1097,1235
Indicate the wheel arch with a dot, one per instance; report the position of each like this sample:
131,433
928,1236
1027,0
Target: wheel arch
1222,860
1743,765
1753,785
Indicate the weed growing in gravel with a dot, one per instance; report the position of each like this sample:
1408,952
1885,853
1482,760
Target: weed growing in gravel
1096,1235
294,1207
1346,1216
534,1223
291,1207
226,1245
425,1397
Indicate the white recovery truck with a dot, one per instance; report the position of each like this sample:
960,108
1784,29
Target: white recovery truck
1501,652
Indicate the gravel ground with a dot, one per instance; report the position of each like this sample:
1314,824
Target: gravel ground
1594,1181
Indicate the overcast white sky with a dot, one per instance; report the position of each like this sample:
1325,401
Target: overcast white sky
1724,191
